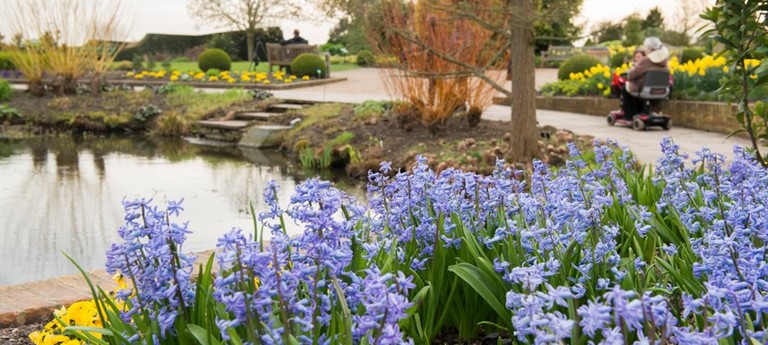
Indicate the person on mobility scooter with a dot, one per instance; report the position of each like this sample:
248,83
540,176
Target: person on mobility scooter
648,80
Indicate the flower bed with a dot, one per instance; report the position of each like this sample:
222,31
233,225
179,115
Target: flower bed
229,77
693,80
595,252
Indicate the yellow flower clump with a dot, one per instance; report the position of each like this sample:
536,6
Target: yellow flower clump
78,314
593,71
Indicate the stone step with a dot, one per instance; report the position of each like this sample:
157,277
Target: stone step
297,101
256,115
264,136
230,124
208,142
285,107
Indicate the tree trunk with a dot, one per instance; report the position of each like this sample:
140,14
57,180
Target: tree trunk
524,143
249,34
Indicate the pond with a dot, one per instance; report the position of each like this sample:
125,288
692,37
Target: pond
63,195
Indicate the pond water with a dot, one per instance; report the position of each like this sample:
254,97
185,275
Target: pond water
64,195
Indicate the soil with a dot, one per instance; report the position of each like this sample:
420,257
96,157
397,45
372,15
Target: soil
19,335
399,138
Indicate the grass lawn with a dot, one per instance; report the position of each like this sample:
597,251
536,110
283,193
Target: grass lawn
243,66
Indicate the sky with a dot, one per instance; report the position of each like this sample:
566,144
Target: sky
171,17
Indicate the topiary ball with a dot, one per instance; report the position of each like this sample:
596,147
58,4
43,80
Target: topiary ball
365,58
619,58
307,64
576,64
214,58
5,90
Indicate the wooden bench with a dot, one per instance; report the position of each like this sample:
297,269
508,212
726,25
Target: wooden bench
556,53
282,55
600,53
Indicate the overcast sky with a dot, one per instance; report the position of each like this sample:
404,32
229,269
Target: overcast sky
170,16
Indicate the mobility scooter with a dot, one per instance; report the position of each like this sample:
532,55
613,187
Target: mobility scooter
655,89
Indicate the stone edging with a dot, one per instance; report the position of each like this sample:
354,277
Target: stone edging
35,301
216,85
706,116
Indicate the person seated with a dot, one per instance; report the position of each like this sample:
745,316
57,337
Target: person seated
656,57
295,40
619,80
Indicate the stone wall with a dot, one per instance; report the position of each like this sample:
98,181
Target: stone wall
706,116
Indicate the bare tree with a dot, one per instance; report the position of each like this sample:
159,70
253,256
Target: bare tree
246,15
687,15
522,73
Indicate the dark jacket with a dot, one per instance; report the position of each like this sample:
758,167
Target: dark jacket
295,40
636,76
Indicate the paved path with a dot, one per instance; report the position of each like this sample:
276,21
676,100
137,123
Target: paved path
366,84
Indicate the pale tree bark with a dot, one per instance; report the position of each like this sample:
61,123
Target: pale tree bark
524,141
249,34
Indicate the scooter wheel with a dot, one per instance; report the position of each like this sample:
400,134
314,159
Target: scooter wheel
667,125
611,120
638,124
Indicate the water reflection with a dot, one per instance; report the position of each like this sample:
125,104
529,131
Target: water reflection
63,195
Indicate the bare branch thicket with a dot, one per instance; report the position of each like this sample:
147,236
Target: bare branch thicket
445,58
63,40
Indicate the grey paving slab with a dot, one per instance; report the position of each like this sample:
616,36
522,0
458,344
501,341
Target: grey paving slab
256,115
286,106
230,124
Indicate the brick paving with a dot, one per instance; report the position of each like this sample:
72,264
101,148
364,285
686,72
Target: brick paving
33,302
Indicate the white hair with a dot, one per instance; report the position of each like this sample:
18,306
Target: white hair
652,43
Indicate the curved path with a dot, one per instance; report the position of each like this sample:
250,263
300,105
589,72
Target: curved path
366,84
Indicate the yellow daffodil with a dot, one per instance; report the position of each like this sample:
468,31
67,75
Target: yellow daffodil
266,82
129,74
306,77
139,76
213,78
174,78
600,86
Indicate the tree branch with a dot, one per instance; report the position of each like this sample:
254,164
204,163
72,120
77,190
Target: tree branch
478,72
